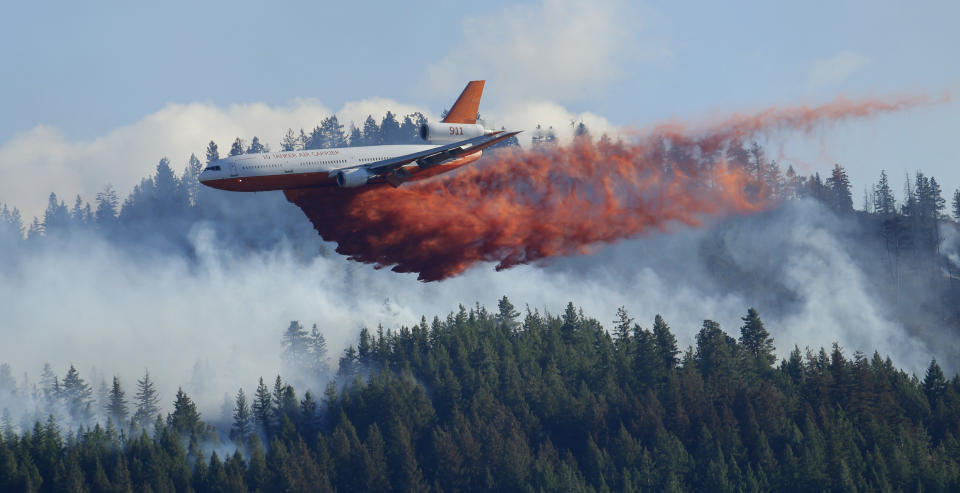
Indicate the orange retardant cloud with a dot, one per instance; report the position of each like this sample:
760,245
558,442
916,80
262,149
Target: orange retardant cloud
516,207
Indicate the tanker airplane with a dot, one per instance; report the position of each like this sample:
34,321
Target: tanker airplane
456,141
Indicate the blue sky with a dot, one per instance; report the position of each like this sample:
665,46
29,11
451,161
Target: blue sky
85,75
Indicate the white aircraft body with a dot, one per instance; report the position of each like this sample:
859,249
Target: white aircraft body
454,142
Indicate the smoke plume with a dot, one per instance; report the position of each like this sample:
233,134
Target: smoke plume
526,205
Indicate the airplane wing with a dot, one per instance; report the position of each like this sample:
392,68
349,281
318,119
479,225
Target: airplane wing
431,157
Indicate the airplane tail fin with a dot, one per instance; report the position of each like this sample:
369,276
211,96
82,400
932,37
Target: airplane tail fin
465,109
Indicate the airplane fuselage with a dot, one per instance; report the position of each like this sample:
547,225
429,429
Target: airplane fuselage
311,168
453,142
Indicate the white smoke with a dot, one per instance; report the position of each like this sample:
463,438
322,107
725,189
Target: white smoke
214,324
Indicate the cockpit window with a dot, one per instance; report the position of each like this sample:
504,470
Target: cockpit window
213,168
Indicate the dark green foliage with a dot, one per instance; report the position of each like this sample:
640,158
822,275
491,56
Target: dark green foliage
666,343
838,190
77,395
147,402
262,406
554,404
757,341
185,419
243,422
117,409
884,203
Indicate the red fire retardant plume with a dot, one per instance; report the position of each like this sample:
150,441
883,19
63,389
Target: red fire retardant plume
515,207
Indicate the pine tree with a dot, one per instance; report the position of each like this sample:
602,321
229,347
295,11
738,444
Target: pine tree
909,207
332,132
956,204
665,343
621,329
296,346
256,147
356,136
756,160
410,128
290,141
365,346
934,383
55,218
318,351
48,383
883,200
507,315
7,431
165,187
77,395
212,153
285,404
756,340
185,419
191,179
117,403
242,419
147,401
647,366
390,129
571,322
937,202
35,231
371,132
262,406
77,215
715,350
302,140
11,224
237,148
315,139
838,184
277,398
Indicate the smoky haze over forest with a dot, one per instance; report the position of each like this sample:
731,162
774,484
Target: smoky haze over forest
198,285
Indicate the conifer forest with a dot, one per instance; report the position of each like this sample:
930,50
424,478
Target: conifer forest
512,397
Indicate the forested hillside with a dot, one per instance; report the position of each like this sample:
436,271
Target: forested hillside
482,401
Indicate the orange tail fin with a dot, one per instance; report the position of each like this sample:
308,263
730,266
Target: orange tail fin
465,109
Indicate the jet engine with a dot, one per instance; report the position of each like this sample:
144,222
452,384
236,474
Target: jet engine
352,177
445,133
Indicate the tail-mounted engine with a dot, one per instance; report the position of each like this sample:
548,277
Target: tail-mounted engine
445,133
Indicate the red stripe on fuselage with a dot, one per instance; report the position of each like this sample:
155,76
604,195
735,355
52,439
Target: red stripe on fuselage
265,183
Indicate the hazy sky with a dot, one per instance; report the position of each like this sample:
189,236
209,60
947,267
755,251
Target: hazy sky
93,80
